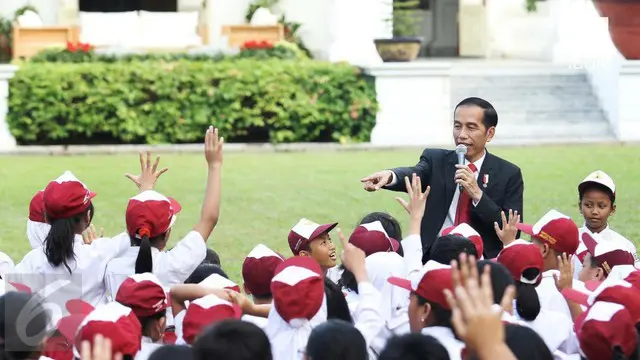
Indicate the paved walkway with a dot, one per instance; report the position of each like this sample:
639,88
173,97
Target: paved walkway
255,148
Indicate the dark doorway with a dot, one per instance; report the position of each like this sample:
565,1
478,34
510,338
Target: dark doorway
128,5
439,28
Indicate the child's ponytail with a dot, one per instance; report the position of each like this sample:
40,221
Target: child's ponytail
527,301
58,245
144,261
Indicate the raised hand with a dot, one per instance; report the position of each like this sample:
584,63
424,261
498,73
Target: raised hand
213,147
565,279
474,316
509,231
101,349
417,199
149,173
90,234
377,180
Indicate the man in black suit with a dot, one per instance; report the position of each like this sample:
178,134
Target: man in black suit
489,184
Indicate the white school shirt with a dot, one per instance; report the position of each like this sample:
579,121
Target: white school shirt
255,320
550,298
334,273
446,337
147,348
607,235
86,280
451,214
170,267
368,319
554,328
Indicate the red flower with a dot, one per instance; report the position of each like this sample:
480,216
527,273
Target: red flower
85,47
71,47
253,44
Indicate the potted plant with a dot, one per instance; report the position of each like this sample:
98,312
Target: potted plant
404,45
624,25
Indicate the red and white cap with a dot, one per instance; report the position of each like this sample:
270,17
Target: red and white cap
304,232
429,283
150,213
467,231
143,293
204,312
36,207
258,270
298,290
555,229
628,273
78,311
598,177
372,238
610,290
607,326
114,321
216,281
521,255
605,253
66,197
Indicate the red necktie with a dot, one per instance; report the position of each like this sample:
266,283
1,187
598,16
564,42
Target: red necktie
463,210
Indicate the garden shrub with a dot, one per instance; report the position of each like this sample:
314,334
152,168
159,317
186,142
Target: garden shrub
250,100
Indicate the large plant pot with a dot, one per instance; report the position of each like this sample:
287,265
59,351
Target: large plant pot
624,25
398,49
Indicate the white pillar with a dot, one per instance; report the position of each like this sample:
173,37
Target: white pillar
415,104
628,124
7,141
351,40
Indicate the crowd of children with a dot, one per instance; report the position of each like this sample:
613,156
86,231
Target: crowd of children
567,293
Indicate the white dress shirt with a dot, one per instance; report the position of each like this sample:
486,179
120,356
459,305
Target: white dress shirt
147,348
451,214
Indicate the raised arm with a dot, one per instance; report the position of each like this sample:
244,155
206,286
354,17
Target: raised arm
211,205
394,179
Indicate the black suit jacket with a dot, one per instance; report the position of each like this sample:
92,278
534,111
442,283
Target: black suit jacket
436,168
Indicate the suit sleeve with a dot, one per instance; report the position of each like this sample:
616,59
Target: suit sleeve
490,212
422,169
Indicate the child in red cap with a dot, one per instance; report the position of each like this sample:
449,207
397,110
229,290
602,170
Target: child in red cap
150,216
555,234
308,238
69,209
602,256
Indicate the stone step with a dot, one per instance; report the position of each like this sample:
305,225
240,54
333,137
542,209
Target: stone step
550,104
552,117
519,91
556,130
521,80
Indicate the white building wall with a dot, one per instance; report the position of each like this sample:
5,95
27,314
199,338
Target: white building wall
48,9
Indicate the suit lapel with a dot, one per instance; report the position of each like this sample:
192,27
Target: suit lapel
449,181
484,175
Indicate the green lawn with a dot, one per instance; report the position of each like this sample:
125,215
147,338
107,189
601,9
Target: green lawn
265,194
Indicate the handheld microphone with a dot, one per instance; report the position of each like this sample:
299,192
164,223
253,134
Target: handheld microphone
461,151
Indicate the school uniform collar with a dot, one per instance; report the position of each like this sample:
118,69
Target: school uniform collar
606,229
438,332
147,340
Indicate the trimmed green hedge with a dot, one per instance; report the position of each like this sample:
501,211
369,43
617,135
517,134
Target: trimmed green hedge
172,102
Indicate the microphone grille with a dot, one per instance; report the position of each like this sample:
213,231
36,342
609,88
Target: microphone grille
461,149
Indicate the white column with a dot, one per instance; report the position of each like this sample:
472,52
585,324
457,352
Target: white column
351,39
415,104
6,139
628,124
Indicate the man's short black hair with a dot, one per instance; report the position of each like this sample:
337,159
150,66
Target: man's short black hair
490,116
232,340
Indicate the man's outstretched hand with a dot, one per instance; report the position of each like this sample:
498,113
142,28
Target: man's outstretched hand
377,180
